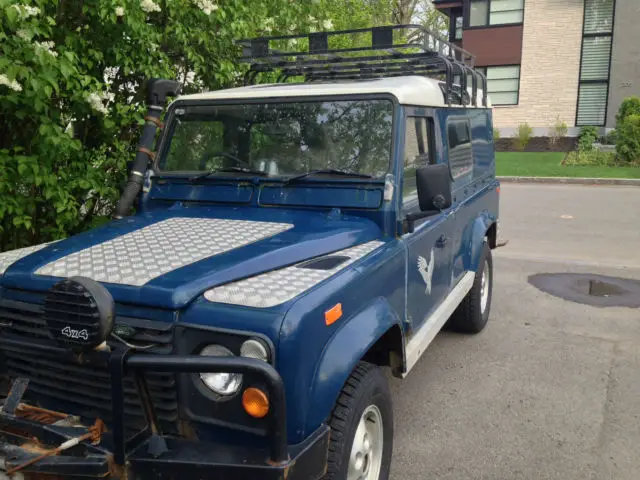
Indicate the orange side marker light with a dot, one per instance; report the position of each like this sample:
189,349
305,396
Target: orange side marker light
333,314
255,402
498,189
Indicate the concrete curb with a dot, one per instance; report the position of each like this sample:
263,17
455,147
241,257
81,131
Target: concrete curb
575,181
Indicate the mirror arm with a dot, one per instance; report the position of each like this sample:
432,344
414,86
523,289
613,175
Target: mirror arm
411,218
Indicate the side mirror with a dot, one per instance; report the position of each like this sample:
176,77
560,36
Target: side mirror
434,187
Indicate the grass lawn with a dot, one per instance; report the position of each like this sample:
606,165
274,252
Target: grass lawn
518,164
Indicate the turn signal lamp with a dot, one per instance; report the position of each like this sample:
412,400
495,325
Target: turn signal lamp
255,402
333,314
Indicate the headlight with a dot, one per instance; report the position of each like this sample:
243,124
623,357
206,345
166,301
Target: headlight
224,384
254,348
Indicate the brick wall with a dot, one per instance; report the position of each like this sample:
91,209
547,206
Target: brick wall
550,65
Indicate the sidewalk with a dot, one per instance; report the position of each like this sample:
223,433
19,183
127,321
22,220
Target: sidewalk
572,180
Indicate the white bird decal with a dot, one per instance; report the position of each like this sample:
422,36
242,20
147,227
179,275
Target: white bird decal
426,270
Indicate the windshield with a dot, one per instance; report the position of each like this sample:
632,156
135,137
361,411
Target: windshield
282,139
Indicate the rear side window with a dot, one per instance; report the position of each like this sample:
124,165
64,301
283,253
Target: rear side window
460,152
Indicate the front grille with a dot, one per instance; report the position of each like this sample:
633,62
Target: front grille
85,390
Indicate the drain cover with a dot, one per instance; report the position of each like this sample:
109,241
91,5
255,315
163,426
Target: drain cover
596,290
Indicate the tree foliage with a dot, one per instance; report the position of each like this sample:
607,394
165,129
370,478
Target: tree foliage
630,106
628,130
522,136
420,12
70,96
628,139
587,137
71,101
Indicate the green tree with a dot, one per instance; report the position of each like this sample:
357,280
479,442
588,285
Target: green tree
71,100
422,12
630,106
628,130
628,139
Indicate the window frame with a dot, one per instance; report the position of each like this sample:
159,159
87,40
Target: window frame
467,120
487,23
485,72
163,143
457,28
430,127
591,35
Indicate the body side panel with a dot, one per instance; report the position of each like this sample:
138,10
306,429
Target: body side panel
312,378
475,195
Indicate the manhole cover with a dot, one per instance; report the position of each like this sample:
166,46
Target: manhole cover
596,290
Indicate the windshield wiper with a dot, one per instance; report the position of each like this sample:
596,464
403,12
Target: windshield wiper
248,171
329,171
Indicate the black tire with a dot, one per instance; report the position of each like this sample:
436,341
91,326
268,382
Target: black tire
365,387
469,316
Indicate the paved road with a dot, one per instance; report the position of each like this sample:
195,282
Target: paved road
550,389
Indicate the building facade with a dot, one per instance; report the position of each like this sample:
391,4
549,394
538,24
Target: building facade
572,60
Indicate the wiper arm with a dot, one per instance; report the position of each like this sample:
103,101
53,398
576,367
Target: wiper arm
202,176
329,171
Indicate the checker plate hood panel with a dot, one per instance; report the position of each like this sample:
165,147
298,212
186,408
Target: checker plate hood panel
167,258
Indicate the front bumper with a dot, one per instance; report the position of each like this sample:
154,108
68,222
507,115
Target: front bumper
149,454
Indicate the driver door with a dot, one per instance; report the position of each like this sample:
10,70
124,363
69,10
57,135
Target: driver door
429,246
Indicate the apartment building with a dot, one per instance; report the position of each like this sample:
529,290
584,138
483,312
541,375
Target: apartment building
575,60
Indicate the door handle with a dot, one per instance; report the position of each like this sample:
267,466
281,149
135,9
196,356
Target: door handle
442,240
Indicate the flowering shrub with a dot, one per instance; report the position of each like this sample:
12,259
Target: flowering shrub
70,90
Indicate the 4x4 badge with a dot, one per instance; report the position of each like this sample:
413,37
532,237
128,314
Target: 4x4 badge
75,334
426,270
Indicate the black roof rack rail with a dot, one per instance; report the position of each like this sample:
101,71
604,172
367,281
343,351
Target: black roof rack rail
418,52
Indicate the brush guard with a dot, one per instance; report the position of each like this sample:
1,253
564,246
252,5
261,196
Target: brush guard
91,453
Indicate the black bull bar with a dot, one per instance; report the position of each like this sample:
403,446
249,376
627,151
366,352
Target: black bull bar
114,454
120,364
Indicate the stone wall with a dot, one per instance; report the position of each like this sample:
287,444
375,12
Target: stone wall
550,67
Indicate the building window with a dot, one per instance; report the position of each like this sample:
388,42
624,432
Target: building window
479,14
496,12
417,153
503,84
596,62
460,151
458,27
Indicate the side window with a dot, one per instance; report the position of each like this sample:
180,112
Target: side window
460,151
418,151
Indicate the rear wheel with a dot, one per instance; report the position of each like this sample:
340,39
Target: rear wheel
472,314
362,428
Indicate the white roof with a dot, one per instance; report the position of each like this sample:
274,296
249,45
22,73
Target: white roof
408,90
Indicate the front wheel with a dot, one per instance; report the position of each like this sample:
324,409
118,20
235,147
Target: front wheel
472,314
361,428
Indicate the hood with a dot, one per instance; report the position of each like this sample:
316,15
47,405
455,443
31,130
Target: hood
166,259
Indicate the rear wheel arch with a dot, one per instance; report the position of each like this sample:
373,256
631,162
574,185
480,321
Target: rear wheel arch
484,230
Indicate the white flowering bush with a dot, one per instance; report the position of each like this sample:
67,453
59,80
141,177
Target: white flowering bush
12,84
71,96
149,6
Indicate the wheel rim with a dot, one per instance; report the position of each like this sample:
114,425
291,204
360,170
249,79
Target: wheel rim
365,460
484,287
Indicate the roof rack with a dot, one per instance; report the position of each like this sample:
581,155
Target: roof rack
418,52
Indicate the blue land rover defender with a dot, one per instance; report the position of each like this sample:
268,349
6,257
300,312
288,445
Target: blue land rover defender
289,239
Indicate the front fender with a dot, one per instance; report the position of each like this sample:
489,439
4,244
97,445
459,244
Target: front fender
342,353
478,233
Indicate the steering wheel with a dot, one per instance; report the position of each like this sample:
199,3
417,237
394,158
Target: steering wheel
228,155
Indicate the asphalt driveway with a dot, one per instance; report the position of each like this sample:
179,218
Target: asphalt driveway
551,388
